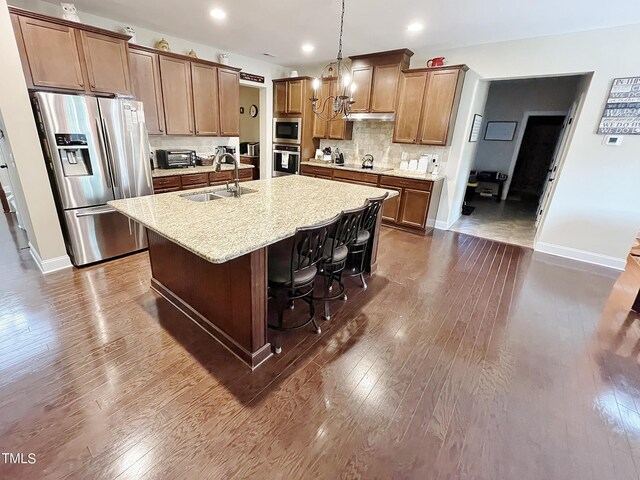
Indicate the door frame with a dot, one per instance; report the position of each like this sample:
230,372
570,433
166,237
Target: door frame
516,151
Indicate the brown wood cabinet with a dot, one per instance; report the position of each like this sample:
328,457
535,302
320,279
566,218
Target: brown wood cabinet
204,80
145,83
288,96
175,78
107,60
320,126
336,129
61,55
187,181
377,77
414,208
229,98
427,105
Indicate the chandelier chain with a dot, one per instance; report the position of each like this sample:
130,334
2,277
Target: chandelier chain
341,30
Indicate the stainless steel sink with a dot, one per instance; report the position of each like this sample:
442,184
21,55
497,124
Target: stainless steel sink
214,195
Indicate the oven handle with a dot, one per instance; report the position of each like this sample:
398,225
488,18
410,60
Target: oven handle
285,151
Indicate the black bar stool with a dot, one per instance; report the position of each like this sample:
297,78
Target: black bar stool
293,269
365,234
336,251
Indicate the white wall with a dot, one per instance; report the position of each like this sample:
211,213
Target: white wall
26,164
508,101
595,212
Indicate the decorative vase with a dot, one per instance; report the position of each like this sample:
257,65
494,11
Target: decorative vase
192,53
163,45
223,58
131,32
70,12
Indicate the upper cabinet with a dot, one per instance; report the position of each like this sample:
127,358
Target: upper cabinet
145,83
427,105
58,54
175,76
204,79
229,95
288,96
336,129
377,76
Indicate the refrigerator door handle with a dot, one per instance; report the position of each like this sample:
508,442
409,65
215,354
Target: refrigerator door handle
103,149
95,211
114,172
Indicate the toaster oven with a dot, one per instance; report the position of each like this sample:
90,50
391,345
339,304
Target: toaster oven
176,158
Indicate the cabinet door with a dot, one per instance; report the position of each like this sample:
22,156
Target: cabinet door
438,107
415,204
107,63
280,97
410,100
320,126
145,82
362,77
391,206
295,94
385,88
175,77
337,126
229,101
204,79
52,54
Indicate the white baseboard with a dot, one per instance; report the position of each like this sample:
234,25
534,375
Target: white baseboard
443,225
50,265
581,255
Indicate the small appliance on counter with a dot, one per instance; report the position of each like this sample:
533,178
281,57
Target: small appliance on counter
327,154
250,148
176,158
337,157
221,150
367,161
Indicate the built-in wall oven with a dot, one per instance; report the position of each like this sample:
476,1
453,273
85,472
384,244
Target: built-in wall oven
287,130
286,160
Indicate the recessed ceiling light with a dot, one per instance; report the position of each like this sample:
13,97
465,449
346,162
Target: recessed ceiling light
307,47
415,27
218,14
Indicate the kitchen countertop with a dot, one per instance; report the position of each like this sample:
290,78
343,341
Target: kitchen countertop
393,172
168,172
223,229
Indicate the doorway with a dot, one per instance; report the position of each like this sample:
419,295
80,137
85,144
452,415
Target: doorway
250,127
525,124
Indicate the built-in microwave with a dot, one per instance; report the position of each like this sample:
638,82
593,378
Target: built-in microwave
287,130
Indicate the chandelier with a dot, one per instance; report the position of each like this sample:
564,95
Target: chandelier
338,104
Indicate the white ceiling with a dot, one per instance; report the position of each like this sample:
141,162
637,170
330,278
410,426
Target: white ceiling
280,27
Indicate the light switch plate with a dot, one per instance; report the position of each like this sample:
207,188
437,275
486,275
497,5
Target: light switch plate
612,140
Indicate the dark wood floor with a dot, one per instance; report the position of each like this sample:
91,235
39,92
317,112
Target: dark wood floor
464,359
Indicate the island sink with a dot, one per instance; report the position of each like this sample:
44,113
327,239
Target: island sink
215,195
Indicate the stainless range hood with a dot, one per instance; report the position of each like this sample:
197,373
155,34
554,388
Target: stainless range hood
372,117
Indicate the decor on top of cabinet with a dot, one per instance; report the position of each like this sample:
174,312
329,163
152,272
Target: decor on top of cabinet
223,58
191,53
163,45
131,32
70,12
435,62
338,104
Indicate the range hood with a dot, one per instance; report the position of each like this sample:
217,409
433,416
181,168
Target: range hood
372,117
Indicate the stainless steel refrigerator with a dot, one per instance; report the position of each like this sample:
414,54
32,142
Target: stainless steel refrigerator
97,150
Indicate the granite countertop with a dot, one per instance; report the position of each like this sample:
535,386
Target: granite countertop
392,172
168,172
223,229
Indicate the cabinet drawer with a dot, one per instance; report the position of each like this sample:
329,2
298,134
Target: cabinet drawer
166,190
313,170
166,182
220,177
195,185
357,176
425,185
194,179
245,174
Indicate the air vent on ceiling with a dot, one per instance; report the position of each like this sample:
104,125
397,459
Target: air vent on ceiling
267,54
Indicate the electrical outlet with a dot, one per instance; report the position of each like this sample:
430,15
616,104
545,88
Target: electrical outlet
404,156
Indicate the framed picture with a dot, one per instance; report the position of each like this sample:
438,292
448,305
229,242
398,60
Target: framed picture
475,128
500,131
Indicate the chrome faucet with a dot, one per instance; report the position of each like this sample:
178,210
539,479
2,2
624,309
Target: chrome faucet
236,165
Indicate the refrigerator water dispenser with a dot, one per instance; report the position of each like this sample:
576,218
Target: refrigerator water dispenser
74,154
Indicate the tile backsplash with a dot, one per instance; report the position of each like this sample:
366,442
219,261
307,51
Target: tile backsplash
199,144
376,138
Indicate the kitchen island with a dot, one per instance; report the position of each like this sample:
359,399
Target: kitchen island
209,259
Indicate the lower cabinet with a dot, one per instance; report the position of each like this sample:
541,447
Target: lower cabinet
414,208
175,183
391,207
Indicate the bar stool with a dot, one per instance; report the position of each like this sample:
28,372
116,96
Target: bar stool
365,234
336,251
293,269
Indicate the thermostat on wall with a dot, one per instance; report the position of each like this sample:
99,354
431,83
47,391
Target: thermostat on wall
613,140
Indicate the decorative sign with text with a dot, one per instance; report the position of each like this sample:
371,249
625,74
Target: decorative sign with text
622,113
251,77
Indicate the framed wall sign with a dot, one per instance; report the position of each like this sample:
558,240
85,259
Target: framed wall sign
500,131
621,114
475,128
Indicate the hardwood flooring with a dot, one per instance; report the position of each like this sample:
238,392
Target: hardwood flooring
465,359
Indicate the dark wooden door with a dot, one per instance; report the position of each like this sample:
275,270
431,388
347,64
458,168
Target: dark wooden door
175,76
145,83
229,98
204,80
52,54
391,206
415,204
107,61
